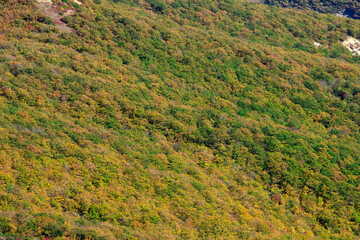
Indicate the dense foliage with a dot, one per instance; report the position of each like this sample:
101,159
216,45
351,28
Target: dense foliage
350,8
157,119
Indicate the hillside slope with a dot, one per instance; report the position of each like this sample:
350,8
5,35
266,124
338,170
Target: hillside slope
178,120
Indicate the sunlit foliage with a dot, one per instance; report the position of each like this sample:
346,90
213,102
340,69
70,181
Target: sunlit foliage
178,120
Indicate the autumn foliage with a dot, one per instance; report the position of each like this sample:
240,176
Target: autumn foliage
178,120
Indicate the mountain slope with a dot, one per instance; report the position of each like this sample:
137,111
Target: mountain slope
167,120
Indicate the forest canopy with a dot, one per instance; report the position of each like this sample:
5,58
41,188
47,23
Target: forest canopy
216,119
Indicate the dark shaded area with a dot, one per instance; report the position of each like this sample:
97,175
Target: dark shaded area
347,8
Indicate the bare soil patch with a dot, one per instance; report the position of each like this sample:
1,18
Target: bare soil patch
48,8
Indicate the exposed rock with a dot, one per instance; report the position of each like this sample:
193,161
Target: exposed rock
349,13
352,44
77,2
46,7
317,44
